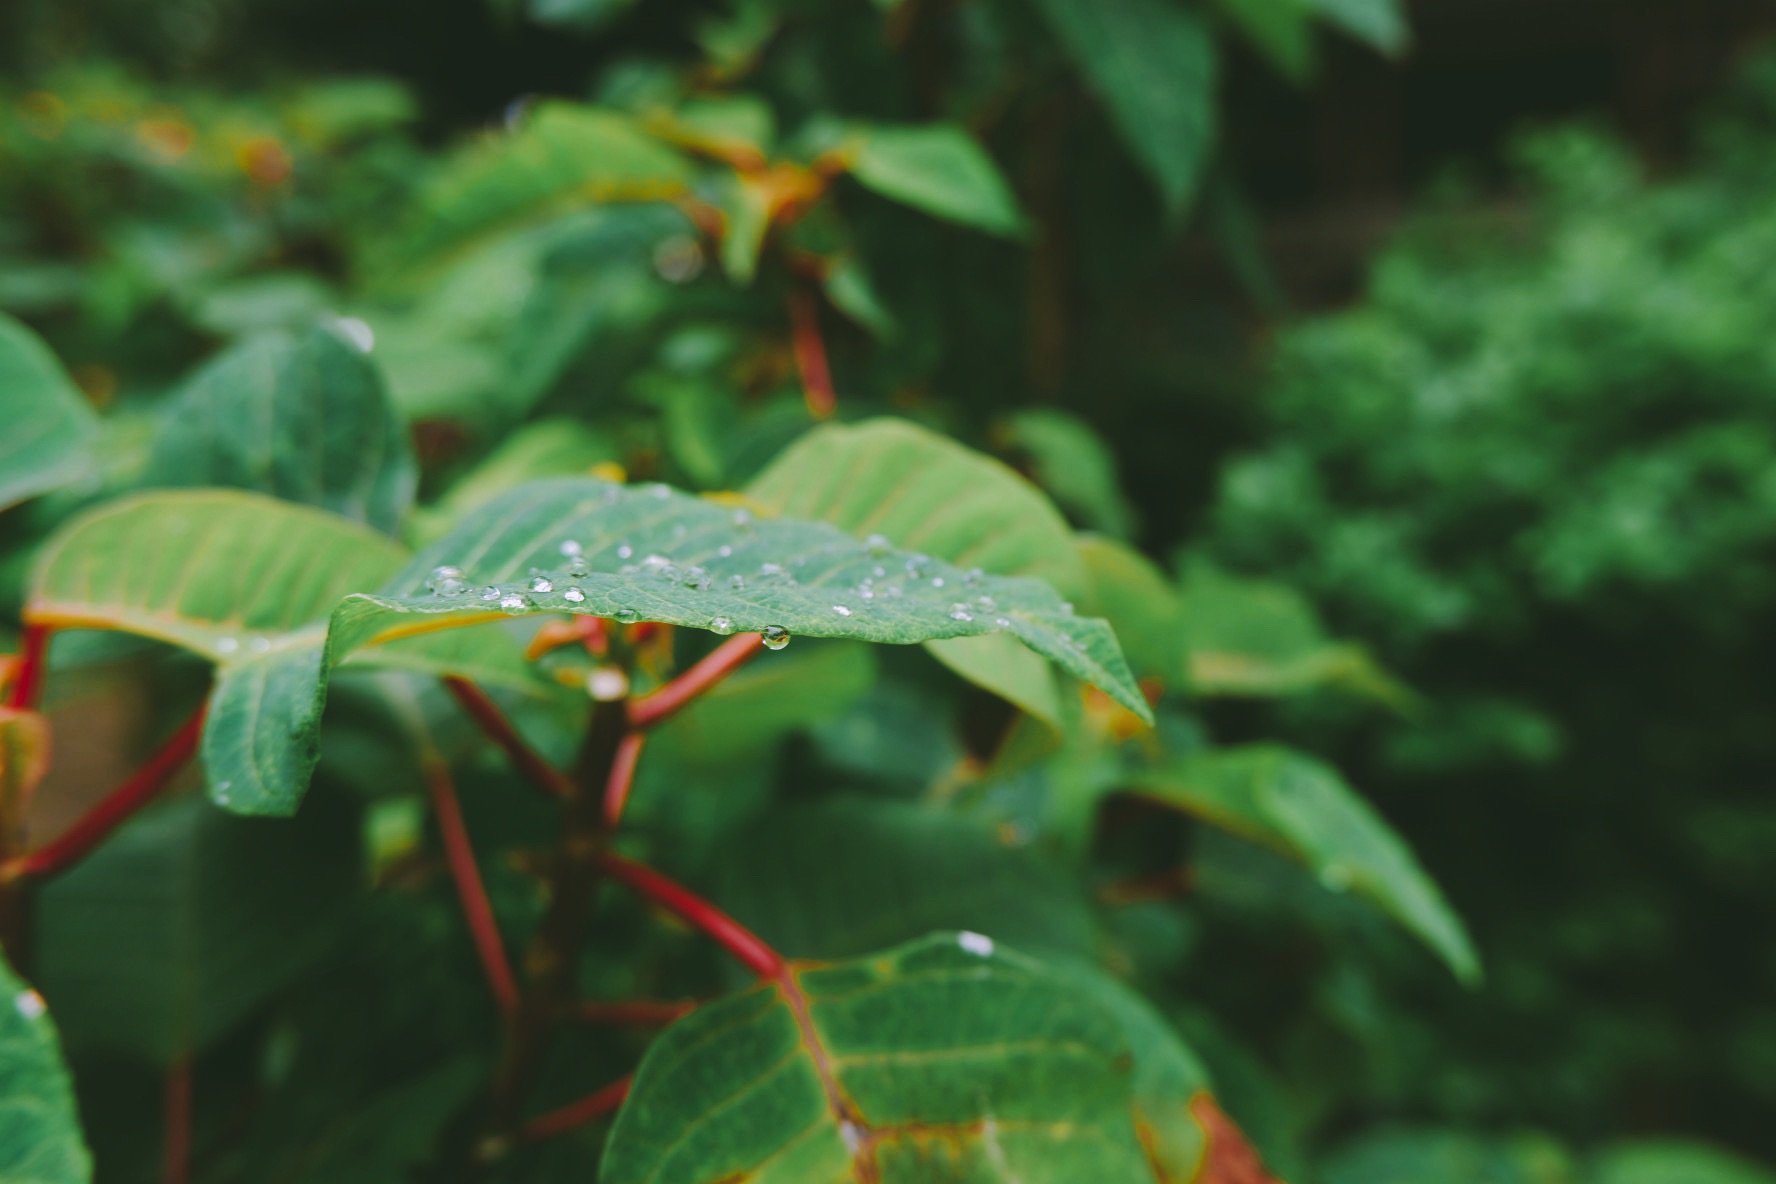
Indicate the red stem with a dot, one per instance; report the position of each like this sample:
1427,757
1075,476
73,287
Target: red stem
587,1109
622,777
499,729
116,808
28,677
734,937
470,890
810,354
720,662
634,1013
175,1149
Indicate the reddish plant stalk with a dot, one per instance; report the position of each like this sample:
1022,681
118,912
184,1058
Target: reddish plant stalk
634,1013
28,675
497,728
732,936
470,889
810,354
175,1148
622,777
720,662
587,1109
117,807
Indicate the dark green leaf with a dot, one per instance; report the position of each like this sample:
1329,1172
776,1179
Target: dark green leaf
306,419
40,1140
49,424
938,169
1073,463
1302,809
947,1051
1674,1161
1152,63
1381,23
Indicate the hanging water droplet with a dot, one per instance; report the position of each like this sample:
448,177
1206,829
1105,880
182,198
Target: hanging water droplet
491,593
227,645
960,613
627,616
571,547
538,584
625,551
841,610
877,545
578,568
30,1005
721,625
573,595
737,582
516,603
775,637
607,684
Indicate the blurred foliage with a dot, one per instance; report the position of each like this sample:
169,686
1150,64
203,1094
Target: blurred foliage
897,270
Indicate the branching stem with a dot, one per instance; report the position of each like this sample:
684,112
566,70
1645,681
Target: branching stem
810,353
732,936
27,679
496,727
670,699
587,1109
470,890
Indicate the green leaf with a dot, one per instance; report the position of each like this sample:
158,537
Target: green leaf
998,664
1281,30
246,581
306,419
1075,466
564,153
759,704
188,919
1417,1155
40,1140
1381,23
544,448
49,424
1304,810
1139,602
1152,63
947,1048
1675,1161
1258,638
938,169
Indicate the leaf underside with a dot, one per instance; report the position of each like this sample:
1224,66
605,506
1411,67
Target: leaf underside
40,1140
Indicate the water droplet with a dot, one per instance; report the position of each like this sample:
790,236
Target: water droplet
841,610
978,944
721,625
736,582
724,551
260,645
878,571
571,547
30,1005
659,491
973,575
877,545
1002,622
986,602
743,519
227,645
573,595
625,551
775,637
491,593
445,577
960,613
539,584
607,684
853,1135
627,616
696,579
516,603
578,568
937,581
771,569
355,331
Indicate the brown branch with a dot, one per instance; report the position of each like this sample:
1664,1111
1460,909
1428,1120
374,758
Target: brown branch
497,728
470,889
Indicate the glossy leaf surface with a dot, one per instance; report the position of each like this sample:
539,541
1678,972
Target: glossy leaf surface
48,423
938,169
40,1140
1302,809
306,419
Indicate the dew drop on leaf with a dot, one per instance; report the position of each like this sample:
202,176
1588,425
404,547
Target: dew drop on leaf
30,1005
627,616
538,584
775,637
516,603
573,595
721,625
978,944
960,613
446,581
841,610
490,593
607,684
578,567
625,551
937,581
571,547
260,645
877,545
227,645
736,582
